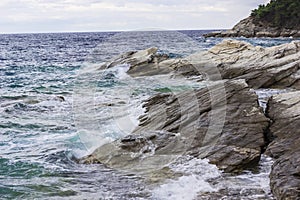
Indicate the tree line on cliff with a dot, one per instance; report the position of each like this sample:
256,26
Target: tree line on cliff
279,13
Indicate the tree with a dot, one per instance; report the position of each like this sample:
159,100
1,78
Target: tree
279,13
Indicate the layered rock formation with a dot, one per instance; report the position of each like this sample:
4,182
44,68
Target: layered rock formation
249,27
221,120
142,63
284,110
196,123
276,67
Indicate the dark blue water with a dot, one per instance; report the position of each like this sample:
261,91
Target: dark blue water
39,138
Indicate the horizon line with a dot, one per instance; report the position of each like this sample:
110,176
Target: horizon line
111,31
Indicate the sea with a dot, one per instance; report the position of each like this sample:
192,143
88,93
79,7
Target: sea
56,107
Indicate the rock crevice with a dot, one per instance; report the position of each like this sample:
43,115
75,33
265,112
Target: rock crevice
181,125
284,110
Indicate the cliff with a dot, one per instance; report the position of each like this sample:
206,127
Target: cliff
276,19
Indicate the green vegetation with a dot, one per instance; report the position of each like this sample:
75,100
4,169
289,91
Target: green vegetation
279,13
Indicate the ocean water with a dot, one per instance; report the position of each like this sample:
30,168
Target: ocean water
56,106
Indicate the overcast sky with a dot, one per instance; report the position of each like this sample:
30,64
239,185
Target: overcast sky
19,16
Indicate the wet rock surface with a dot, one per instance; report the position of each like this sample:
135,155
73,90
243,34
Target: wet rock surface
221,120
275,67
284,110
192,123
142,63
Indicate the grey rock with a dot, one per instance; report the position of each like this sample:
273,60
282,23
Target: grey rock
275,67
249,27
228,130
284,110
221,121
142,63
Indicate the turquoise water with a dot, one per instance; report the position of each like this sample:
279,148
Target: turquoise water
43,83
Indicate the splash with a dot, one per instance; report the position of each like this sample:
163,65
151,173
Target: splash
196,172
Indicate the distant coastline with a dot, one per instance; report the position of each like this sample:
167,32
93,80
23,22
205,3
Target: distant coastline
248,28
276,19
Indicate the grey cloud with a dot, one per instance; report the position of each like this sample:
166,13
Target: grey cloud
85,15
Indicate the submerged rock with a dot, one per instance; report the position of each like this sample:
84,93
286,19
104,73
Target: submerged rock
284,110
228,130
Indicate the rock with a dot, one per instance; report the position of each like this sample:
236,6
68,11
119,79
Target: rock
60,98
276,67
221,121
142,63
249,27
284,110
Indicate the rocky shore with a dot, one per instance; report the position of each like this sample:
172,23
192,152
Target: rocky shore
222,120
284,111
249,27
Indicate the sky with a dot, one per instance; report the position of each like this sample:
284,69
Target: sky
34,16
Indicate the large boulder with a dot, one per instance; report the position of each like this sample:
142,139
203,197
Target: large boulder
284,110
142,63
221,121
275,67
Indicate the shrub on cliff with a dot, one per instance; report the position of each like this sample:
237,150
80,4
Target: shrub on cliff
279,13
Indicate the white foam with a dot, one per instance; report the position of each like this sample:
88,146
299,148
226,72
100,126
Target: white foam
265,94
89,68
255,180
196,174
122,71
250,181
109,113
